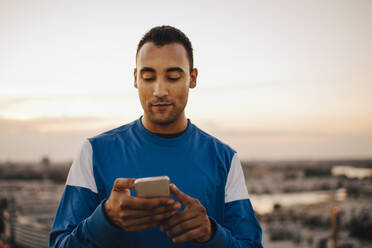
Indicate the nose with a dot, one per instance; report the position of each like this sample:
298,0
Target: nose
160,89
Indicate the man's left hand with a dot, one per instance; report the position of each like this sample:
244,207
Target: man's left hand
193,221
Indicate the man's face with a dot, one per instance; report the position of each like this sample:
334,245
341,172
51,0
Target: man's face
162,77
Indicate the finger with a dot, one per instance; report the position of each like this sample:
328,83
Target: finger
123,184
147,204
190,235
137,213
148,219
141,227
179,217
184,227
182,197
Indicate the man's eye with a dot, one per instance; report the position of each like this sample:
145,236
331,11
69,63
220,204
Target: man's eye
173,78
149,79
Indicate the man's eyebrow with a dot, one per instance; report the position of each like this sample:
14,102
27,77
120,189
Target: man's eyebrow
179,69
146,69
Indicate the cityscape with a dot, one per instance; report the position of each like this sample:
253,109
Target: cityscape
286,84
304,203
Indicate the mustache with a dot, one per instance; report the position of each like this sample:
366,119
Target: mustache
158,101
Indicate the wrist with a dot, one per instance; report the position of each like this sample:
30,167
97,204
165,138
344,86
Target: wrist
213,227
107,212
212,231
105,208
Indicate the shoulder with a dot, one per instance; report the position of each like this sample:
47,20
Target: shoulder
206,137
219,146
112,134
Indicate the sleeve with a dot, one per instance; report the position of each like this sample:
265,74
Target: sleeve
80,220
240,227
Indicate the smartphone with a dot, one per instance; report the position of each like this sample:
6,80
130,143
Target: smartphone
152,186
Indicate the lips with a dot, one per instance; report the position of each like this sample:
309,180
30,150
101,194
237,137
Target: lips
161,106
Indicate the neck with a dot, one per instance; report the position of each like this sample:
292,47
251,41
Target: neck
175,127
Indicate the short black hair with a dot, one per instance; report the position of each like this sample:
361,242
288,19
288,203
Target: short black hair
163,35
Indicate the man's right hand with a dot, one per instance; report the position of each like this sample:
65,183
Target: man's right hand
136,214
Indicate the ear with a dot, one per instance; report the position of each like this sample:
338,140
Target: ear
193,75
135,78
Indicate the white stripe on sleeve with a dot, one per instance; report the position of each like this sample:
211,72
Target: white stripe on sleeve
81,171
235,188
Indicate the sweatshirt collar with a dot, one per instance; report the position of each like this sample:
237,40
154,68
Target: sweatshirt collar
165,141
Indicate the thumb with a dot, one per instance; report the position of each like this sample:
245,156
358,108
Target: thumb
123,184
182,197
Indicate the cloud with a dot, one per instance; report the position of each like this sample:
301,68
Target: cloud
54,124
11,102
60,139
55,105
283,143
15,98
237,86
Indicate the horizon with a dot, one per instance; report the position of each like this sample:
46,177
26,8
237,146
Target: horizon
243,161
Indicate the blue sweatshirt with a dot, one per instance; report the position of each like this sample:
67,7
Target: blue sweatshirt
199,164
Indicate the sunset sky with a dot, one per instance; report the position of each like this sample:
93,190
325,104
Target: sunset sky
277,79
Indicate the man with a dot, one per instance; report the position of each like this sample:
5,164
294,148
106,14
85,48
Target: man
210,205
